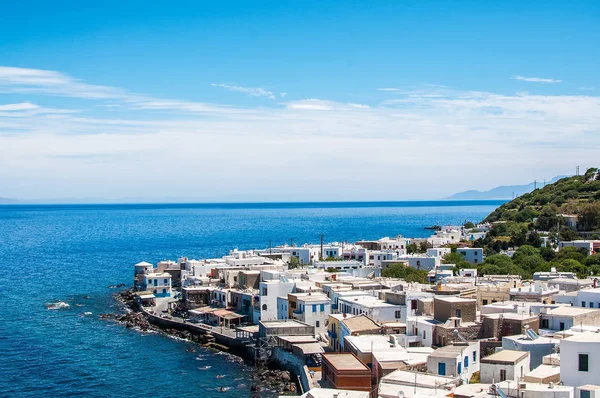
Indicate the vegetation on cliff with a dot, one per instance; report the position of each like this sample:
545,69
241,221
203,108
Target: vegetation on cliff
525,223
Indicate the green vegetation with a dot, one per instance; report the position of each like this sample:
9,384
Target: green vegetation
293,262
524,221
409,274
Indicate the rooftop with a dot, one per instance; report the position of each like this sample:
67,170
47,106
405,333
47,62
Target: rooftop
505,356
453,299
568,310
283,323
585,337
332,393
360,323
373,342
449,351
345,361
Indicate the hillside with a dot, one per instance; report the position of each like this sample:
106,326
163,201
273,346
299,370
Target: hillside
524,223
501,192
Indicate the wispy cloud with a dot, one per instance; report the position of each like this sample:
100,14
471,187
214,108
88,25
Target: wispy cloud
237,147
251,91
23,106
536,79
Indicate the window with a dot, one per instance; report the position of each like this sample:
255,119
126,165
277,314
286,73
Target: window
561,326
166,281
485,302
591,305
317,324
322,308
264,307
545,324
466,362
502,374
314,308
583,304
458,313
583,362
397,315
164,291
459,368
424,335
474,356
585,394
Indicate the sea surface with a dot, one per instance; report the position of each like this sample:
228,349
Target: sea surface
74,252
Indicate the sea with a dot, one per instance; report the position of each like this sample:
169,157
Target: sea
74,253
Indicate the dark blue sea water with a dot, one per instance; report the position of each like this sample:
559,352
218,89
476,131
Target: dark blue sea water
66,252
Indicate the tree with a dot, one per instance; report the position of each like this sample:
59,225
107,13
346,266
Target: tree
589,217
293,262
469,225
423,246
456,259
411,248
572,253
570,265
409,274
547,253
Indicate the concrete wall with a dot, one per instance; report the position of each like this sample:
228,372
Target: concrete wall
446,309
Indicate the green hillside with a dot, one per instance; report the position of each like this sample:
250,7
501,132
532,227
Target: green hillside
525,222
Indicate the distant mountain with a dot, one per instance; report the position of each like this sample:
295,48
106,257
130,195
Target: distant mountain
501,192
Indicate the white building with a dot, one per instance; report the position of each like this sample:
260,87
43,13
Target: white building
418,261
158,284
580,359
313,309
282,308
474,255
269,293
376,309
504,365
438,251
376,257
587,245
455,360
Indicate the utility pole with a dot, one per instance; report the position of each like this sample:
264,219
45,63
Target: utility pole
270,247
322,236
534,185
292,242
544,182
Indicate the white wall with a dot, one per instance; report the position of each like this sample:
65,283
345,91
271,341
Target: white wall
569,362
491,372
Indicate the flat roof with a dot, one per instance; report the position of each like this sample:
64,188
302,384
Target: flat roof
283,323
360,322
372,342
449,351
453,299
406,378
343,361
591,387
567,310
505,356
333,393
544,371
585,337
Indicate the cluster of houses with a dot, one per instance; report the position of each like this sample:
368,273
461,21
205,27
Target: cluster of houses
350,332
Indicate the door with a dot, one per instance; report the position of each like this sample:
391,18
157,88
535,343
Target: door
441,369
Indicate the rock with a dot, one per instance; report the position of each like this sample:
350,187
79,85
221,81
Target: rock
255,388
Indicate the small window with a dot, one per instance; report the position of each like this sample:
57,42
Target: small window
314,308
164,291
583,362
317,324
502,374
322,309
264,307
583,304
585,394
424,335
397,315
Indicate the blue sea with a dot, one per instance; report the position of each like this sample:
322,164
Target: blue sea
74,252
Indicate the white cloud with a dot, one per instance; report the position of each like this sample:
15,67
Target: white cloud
23,106
282,95
535,79
392,150
251,91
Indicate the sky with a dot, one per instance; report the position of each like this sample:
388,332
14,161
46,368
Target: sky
239,101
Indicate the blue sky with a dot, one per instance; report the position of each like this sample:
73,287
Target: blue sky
311,100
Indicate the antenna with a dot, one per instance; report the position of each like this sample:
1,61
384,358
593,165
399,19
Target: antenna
544,182
577,171
534,185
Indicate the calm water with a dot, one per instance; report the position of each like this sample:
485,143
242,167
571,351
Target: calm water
65,252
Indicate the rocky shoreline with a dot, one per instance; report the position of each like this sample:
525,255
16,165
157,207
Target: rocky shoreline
264,379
